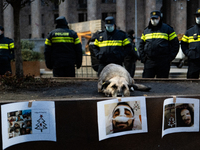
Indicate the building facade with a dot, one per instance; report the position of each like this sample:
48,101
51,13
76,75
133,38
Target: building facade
37,19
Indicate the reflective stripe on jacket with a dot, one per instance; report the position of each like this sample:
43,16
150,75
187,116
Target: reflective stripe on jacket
190,43
111,47
62,48
6,49
158,42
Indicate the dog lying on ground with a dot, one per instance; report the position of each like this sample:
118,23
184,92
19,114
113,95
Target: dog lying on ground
115,80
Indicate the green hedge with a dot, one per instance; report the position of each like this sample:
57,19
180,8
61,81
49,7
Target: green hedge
27,51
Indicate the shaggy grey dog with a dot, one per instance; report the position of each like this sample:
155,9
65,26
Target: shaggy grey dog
115,80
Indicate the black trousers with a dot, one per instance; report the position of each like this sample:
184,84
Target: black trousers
193,69
156,68
67,71
5,67
130,67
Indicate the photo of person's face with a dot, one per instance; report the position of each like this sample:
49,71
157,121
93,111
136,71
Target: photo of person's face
122,118
186,117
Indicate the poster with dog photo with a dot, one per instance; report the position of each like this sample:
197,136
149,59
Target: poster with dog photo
180,115
21,123
122,116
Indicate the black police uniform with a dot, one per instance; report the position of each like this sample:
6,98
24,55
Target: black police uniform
94,60
158,47
190,45
63,50
111,47
131,58
6,53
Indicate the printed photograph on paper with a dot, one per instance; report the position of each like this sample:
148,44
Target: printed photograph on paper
181,116
21,123
127,116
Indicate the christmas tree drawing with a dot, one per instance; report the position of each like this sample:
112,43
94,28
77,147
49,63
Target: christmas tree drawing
41,125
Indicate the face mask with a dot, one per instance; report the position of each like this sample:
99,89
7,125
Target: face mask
198,20
110,28
154,22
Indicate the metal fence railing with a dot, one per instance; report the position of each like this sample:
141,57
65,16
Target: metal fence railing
86,69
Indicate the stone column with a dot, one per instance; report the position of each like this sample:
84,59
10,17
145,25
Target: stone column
92,9
35,19
1,14
64,10
121,14
150,6
179,16
8,22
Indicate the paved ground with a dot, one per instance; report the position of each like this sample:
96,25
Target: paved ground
81,89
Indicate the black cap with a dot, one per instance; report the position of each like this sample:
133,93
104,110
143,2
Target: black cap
197,12
61,21
1,28
109,21
155,14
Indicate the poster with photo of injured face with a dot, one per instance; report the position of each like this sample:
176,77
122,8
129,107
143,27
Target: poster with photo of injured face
121,116
21,123
180,115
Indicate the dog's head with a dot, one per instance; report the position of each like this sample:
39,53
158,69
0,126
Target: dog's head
116,86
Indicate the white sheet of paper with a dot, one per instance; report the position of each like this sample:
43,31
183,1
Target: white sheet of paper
21,123
175,121
105,115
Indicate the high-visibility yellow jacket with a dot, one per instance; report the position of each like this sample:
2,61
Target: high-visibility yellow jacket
111,47
190,43
158,42
62,48
6,53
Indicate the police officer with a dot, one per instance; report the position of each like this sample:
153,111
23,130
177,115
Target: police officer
132,57
190,45
6,52
111,45
158,47
63,50
94,60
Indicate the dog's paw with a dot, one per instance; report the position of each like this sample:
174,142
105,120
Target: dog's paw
132,89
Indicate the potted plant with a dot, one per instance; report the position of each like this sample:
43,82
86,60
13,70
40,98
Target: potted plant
31,59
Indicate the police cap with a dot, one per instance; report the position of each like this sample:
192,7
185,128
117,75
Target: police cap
197,12
155,14
109,21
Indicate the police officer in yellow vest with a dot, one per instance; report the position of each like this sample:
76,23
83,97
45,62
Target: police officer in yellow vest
111,45
190,46
159,45
6,52
63,50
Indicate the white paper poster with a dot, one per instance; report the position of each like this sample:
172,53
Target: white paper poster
181,115
21,123
120,117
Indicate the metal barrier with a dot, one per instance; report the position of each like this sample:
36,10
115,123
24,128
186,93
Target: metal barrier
86,69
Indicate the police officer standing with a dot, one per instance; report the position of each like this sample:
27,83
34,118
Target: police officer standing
63,50
6,52
94,60
111,45
158,47
190,45
132,57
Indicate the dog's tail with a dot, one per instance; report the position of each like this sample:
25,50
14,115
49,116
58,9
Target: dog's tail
140,87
